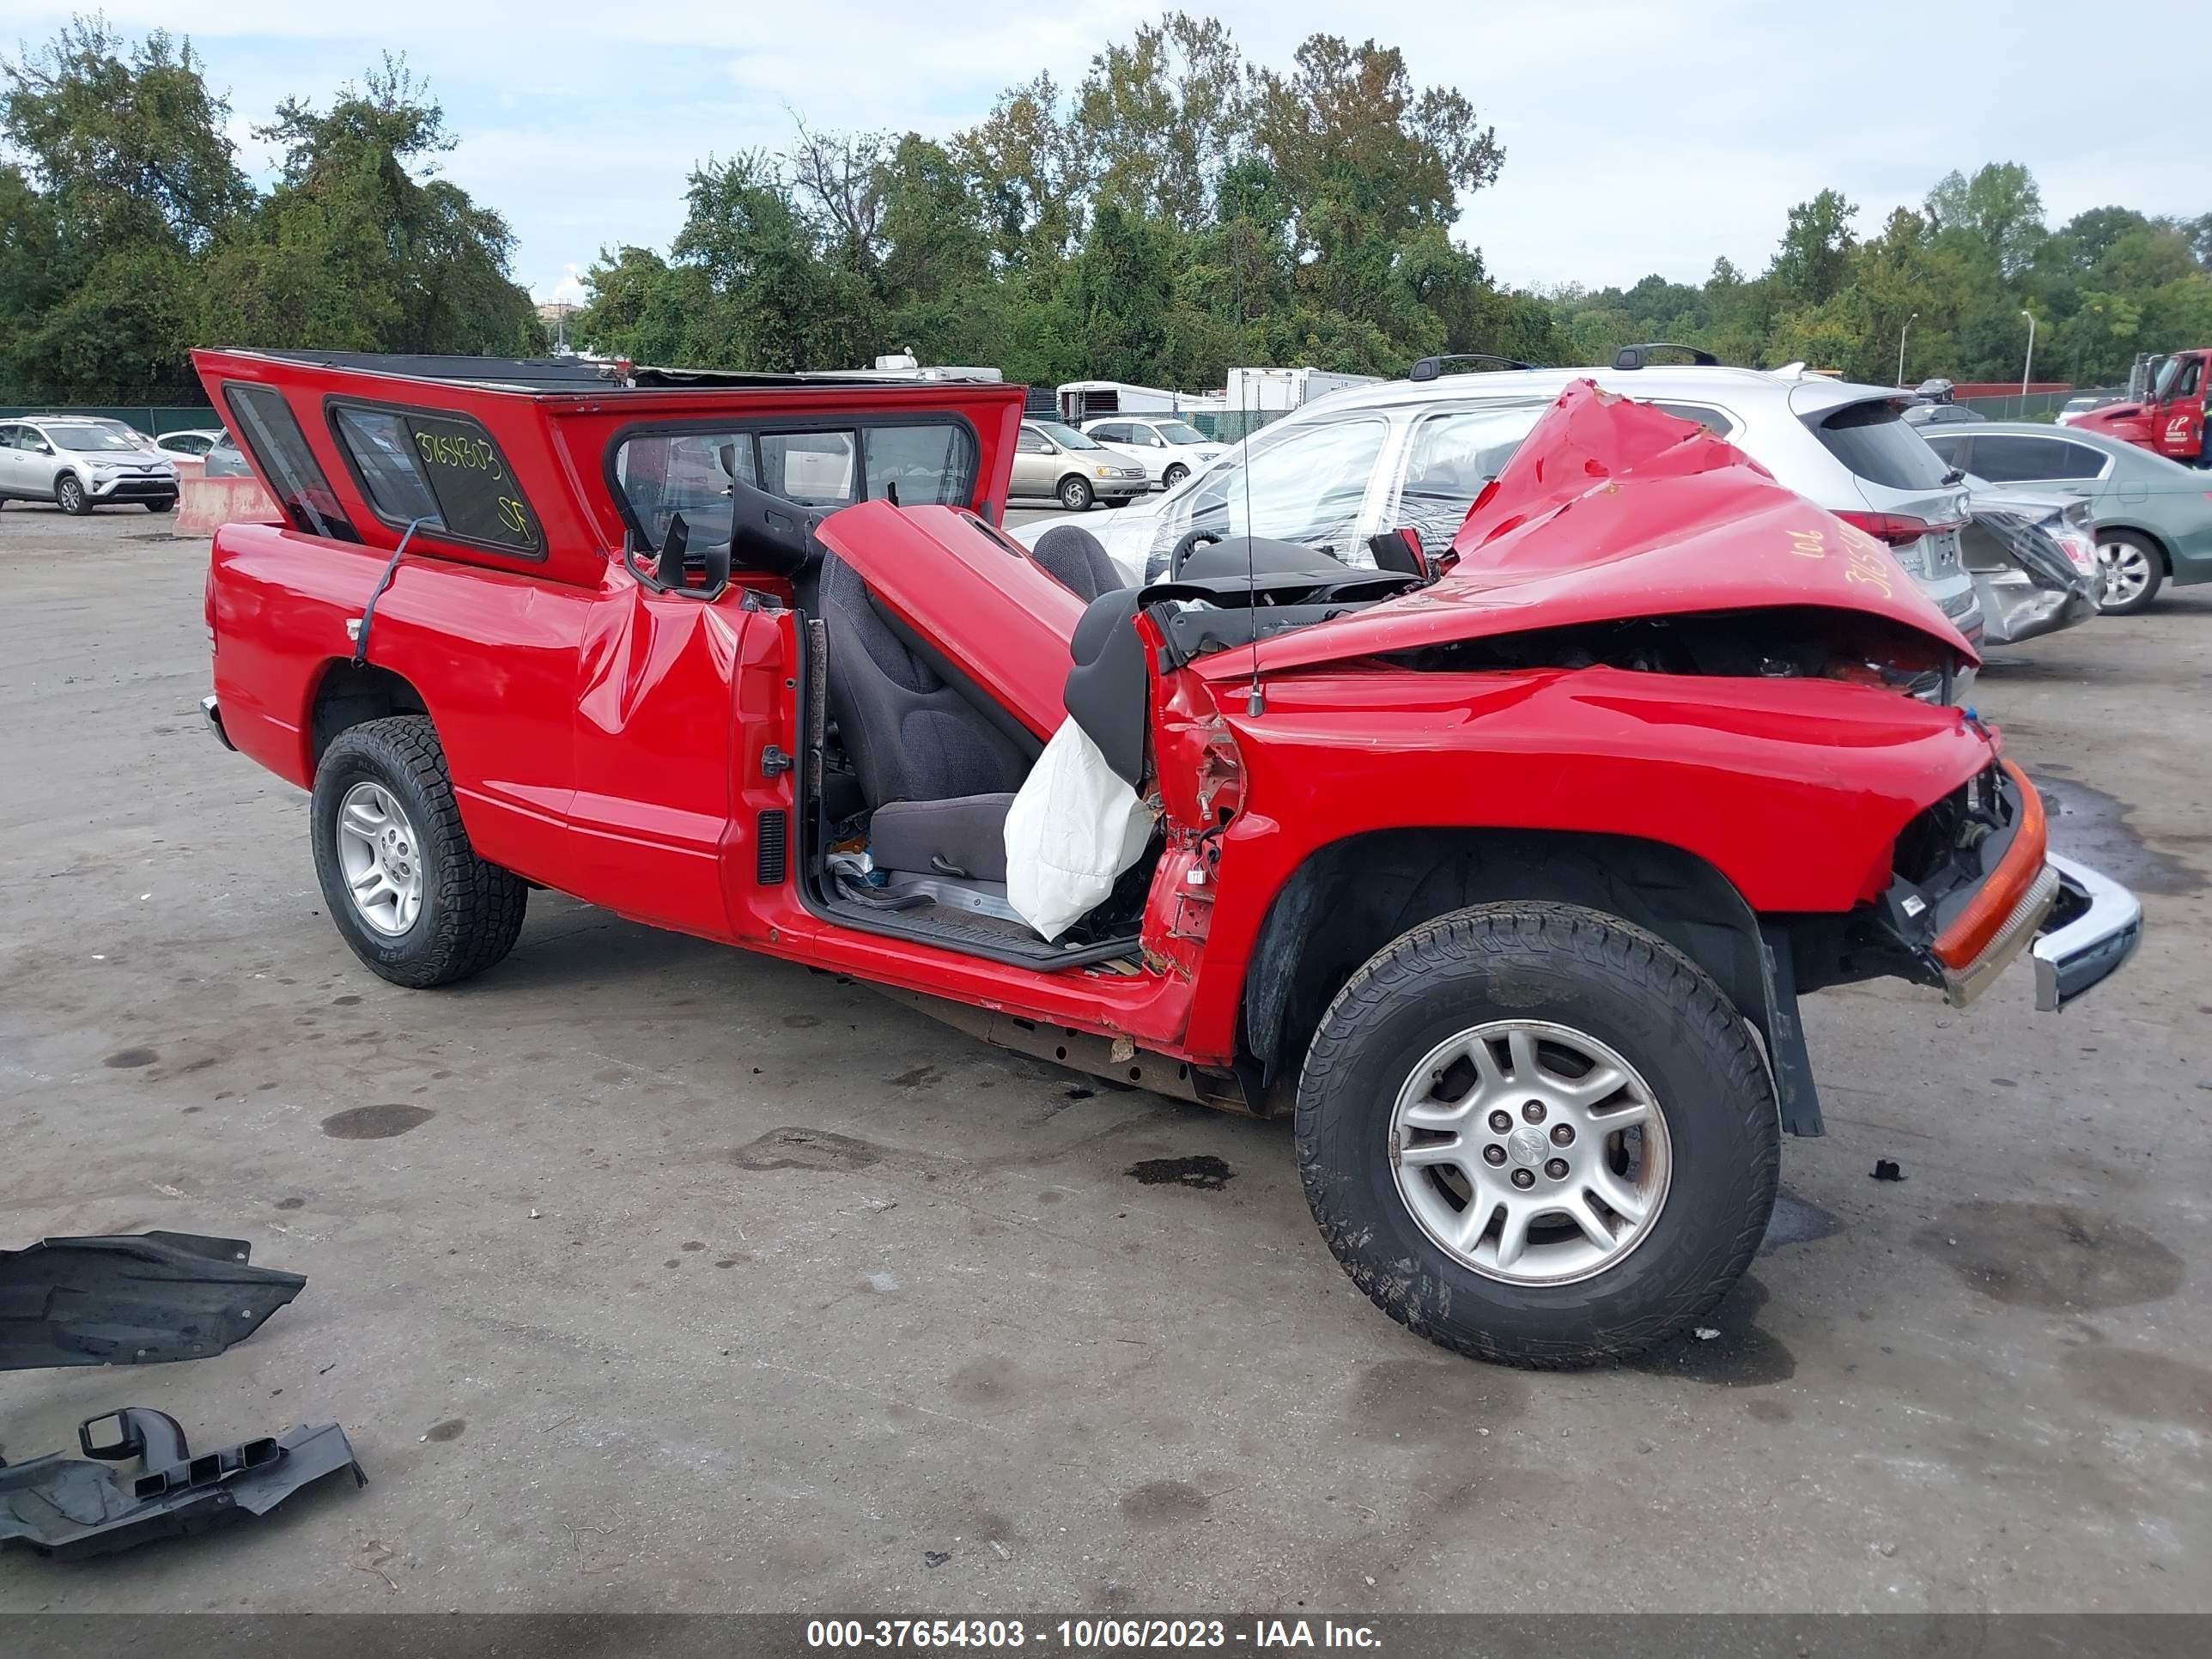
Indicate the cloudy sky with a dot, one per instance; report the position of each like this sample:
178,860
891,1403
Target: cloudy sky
1639,137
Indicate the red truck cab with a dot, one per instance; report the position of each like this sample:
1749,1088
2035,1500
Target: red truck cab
1502,873
2169,419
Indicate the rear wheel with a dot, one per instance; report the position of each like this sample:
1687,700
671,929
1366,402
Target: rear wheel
402,881
1075,494
1537,1135
69,496
2132,570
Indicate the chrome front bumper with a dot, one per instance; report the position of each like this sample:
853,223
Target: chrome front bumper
2094,926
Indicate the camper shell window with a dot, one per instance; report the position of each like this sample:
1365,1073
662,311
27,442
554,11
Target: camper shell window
437,470
263,422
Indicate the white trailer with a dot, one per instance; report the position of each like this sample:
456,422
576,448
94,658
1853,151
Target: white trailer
1274,391
1084,400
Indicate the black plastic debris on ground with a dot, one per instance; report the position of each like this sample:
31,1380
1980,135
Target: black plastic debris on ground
1886,1169
136,1300
68,1508
1202,1170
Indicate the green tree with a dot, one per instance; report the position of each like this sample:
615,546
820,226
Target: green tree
1032,166
1814,261
2000,206
351,247
126,141
125,176
1164,115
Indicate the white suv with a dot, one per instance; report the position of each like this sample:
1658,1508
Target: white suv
1168,448
1415,452
79,464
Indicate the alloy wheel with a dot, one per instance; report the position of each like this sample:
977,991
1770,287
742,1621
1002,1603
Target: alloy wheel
2127,572
1530,1152
381,858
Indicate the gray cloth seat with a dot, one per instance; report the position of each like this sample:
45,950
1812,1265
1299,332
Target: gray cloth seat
965,836
1072,556
936,762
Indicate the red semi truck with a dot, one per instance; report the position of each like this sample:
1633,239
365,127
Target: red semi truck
2168,419
1502,873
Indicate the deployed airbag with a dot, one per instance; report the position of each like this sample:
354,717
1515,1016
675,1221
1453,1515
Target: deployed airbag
1074,826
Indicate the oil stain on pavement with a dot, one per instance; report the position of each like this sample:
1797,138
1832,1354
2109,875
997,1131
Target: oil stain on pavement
1202,1170
2051,1256
807,1149
2092,826
376,1122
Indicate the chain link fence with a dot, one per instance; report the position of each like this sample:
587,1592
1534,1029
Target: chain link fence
2036,405
1233,425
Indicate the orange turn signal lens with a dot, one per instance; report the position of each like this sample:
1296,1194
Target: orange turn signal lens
1965,939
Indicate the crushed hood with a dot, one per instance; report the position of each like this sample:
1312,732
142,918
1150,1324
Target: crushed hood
1613,510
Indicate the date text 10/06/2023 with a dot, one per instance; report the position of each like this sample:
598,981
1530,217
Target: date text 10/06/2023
1089,1635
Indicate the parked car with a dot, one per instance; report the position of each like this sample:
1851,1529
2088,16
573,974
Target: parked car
1415,452
1170,449
79,465
2074,407
1506,880
1055,461
2152,516
191,446
226,460
2033,558
1940,415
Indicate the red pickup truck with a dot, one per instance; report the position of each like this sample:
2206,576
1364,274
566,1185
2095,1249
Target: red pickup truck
1502,873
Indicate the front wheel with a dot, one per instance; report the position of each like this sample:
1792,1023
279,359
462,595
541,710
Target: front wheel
2132,572
69,496
1174,475
1537,1135
162,506
1075,494
403,883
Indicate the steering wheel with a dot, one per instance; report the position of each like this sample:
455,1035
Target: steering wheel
1191,542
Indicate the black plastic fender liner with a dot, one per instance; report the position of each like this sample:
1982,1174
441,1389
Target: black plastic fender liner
68,1508
136,1300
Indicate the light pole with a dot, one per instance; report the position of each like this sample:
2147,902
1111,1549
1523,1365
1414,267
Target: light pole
2030,363
1901,333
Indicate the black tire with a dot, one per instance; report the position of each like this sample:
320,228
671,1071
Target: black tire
471,911
162,506
2143,547
1599,975
1174,475
70,497
1074,494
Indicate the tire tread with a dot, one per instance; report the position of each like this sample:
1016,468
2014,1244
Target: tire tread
1493,934
476,906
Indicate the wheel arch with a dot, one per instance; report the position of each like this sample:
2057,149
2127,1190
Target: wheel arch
348,695
1350,898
